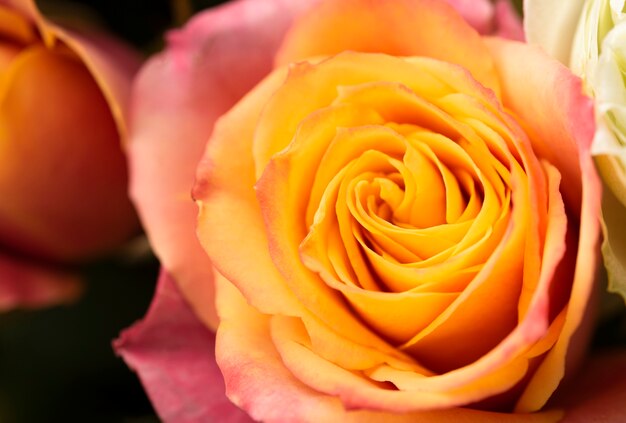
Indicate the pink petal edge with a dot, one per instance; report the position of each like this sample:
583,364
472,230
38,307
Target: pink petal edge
508,23
174,355
478,13
27,285
488,18
208,66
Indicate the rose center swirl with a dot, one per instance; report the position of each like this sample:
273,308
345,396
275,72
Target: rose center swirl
414,202
408,190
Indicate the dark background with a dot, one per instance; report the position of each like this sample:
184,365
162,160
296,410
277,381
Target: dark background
57,364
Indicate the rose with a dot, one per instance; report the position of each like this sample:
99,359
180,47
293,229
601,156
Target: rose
185,62
590,38
63,178
164,170
185,108
394,198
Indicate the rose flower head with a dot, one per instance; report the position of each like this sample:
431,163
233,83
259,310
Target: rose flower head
63,178
400,218
409,214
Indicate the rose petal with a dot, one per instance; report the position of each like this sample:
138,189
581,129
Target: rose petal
177,97
257,380
27,285
226,193
561,125
420,28
486,17
16,28
561,122
173,353
551,24
508,22
478,13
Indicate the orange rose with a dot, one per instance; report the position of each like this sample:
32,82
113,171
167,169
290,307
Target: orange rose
403,217
411,233
63,177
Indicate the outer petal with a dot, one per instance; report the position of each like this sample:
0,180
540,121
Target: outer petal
507,21
551,24
420,28
501,19
263,387
562,127
478,13
173,353
27,285
206,68
227,192
560,120
258,381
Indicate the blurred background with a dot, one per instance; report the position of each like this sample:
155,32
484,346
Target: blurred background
57,364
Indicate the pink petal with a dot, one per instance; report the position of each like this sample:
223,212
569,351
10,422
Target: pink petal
508,23
478,13
206,68
26,285
560,119
487,18
598,393
258,381
174,355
